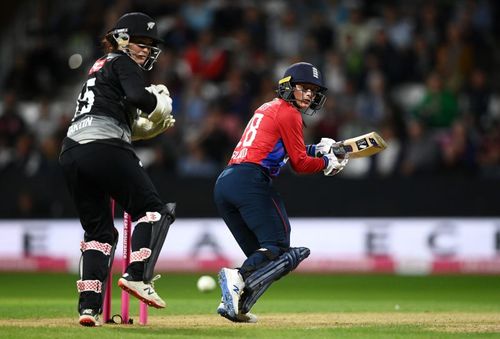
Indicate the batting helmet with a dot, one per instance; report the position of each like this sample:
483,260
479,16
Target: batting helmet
305,73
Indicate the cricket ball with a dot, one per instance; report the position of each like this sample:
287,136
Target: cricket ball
206,283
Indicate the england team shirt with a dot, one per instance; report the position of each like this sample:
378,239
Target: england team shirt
273,136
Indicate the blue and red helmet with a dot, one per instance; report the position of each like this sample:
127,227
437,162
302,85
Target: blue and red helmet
302,73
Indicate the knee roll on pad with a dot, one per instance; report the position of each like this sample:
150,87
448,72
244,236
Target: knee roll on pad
103,247
96,255
270,252
260,280
259,259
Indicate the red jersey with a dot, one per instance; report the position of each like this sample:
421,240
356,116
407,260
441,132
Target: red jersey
273,133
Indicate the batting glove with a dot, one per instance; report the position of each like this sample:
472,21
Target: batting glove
323,147
333,165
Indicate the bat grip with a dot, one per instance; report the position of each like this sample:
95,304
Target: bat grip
339,151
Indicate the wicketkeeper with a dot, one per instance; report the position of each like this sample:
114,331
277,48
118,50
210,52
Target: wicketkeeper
246,199
115,107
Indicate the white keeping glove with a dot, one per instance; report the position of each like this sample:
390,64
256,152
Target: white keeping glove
162,89
323,147
334,165
141,128
167,123
163,103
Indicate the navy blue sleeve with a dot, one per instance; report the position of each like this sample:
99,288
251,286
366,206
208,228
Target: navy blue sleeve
311,150
326,160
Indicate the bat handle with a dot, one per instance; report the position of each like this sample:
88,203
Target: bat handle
339,151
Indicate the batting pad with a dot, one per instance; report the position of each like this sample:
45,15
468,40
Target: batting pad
260,280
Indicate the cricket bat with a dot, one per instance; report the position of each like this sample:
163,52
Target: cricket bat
361,146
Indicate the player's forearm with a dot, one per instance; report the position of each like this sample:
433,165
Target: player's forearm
133,85
141,99
305,164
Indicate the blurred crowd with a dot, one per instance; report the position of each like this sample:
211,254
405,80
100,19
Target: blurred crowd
424,74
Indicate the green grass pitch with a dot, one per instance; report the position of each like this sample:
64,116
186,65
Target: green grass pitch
297,306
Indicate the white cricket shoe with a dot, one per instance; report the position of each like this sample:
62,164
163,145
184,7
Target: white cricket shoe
142,291
231,284
240,317
89,318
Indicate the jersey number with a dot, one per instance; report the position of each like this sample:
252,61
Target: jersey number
85,99
251,130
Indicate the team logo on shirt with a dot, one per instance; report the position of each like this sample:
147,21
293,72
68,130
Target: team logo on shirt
97,65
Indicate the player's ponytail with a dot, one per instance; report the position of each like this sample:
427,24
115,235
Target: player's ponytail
108,45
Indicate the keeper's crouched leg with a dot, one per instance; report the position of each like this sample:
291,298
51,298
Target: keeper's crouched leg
260,280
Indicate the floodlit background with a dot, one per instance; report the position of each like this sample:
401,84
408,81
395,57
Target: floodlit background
424,74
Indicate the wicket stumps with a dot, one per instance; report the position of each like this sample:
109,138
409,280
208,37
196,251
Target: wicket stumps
124,317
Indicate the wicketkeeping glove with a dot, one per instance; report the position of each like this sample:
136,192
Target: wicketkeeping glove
334,166
163,102
168,122
143,128
323,147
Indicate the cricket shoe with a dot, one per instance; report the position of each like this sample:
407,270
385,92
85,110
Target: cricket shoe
141,290
89,318
240,317
231,284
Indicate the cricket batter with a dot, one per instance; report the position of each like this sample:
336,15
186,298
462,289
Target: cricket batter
114,108
246,199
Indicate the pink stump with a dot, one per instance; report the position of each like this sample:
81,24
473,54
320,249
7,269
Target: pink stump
127,231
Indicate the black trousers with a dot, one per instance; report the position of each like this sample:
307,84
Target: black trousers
95,173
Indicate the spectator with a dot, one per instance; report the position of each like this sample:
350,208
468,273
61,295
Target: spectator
459,150
286,35
386,56
372,105
477,98
454,58
198,14
12,125
439,106
206,58
421,155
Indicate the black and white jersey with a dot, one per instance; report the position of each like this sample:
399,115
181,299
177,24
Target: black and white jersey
108,102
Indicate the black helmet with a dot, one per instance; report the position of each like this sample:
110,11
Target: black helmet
302,72
136,24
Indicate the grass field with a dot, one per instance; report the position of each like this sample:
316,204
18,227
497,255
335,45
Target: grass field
298,306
